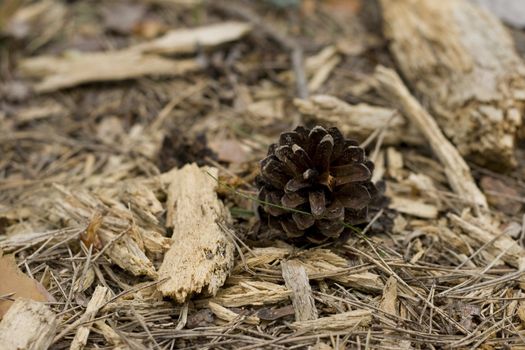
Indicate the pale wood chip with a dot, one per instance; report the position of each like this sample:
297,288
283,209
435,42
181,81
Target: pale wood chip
201,254
252,293
296,279
28,325
414,207
98,299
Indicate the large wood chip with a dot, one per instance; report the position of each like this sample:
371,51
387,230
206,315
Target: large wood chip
80,68
201,254
297,281
230,316
462,62
389,84
28,325
338,322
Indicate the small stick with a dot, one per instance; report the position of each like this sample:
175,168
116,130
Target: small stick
296,279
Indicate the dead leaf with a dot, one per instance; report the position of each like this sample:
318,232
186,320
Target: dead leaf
500,195
19,285
229,150
90,235
271,314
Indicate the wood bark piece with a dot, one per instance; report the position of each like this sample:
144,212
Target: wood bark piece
201,254
58,72
462,62
75,69
388,83
98,299
296,279
413,207
338,322
28,325
360,120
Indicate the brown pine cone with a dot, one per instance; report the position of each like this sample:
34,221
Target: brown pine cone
316,181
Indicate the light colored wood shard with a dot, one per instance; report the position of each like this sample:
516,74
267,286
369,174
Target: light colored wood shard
189,40
296,279
462,62
228,315
58,72
389,84
79,68
98,299
358,121
201,254
413,207
28,325
252,293
338,322
126,253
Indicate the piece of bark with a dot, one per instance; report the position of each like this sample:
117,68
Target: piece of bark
338,322
296,279
388,83
229,316
201,254
79,68
358,121
389,299
28,325
462,63
98,299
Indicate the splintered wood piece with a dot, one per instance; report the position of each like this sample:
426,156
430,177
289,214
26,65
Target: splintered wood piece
28,325
388,83
228,315
191,39
252,293
80,68
462,62
389,298
338,322
413,207
98,299
126,253
201,254
297,281
359,120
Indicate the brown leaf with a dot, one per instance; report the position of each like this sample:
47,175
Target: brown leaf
90,235
18,284
268,314
229,150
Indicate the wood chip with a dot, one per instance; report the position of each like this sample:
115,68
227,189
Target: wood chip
98,299
414,207
462,61
28,325
388,83
252,293
297,281
338,322
201,254
228,315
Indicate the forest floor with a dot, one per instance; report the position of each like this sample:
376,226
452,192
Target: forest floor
89,141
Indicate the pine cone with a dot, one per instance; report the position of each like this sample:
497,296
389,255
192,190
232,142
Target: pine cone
315,181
